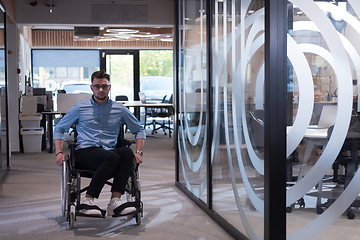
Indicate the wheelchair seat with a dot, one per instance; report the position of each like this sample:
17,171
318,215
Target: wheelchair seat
71,188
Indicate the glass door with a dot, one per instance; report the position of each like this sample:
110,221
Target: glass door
124,73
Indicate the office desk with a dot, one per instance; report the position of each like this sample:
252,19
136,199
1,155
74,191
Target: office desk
313,136
138,104
151,105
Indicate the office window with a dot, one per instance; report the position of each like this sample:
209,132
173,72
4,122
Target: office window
156,74
64,69
61,72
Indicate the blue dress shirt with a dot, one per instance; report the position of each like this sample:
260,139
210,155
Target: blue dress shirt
98,125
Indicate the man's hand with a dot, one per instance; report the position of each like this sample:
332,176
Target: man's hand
138,158
60,158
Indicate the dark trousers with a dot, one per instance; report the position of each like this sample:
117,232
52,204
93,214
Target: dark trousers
116,163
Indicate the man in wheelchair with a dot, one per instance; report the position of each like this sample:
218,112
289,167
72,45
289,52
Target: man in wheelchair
98,121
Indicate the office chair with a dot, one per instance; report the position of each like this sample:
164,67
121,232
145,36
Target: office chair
121,98
256,122
159,114
349,161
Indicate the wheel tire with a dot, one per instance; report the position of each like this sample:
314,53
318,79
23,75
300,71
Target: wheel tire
71,220
138,218
319,210
64,188
350,215
288,209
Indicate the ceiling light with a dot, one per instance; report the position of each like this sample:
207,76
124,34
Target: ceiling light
120,30
144,36
126,37
107,39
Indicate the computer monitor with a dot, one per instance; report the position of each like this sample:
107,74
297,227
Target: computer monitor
39,91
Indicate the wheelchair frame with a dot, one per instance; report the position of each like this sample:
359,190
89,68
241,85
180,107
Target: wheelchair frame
71,189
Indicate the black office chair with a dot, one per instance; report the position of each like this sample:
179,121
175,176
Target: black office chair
160,117
121,98
349,162
256,125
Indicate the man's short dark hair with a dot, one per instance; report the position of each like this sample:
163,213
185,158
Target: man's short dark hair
100,74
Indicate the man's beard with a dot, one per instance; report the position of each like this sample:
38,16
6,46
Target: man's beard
103,98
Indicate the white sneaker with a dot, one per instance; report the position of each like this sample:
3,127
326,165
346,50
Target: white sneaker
90,212
116,202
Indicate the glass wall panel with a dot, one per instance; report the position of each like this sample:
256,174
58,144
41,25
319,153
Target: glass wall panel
238,102
4,155
323,73
192,87
156,74
121,70
323,123
68,70
156,78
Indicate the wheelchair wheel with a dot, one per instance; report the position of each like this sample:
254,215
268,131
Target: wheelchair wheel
138,218
64,188
71,220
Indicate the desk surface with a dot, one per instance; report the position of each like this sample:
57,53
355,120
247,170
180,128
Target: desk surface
313,132
140,104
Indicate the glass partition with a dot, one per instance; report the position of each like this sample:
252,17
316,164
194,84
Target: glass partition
323,74
4,148
192,88
323,123
238,103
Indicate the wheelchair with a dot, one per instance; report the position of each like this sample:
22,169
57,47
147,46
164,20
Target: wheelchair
71,189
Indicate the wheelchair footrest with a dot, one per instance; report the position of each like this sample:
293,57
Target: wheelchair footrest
118,210
89,207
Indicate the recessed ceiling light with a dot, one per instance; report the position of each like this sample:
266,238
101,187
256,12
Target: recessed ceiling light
121,30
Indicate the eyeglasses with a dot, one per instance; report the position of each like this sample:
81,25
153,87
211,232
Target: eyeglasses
104,86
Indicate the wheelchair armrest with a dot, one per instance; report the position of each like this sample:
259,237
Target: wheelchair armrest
71,144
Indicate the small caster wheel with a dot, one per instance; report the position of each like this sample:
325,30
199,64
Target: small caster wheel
302,203
138,218
71,220
319,210
288,209
350,215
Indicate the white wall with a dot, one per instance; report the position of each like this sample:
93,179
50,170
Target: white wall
25,60
13,86
160,12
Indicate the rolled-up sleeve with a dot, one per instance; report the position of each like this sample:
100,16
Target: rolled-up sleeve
133,124
65,123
